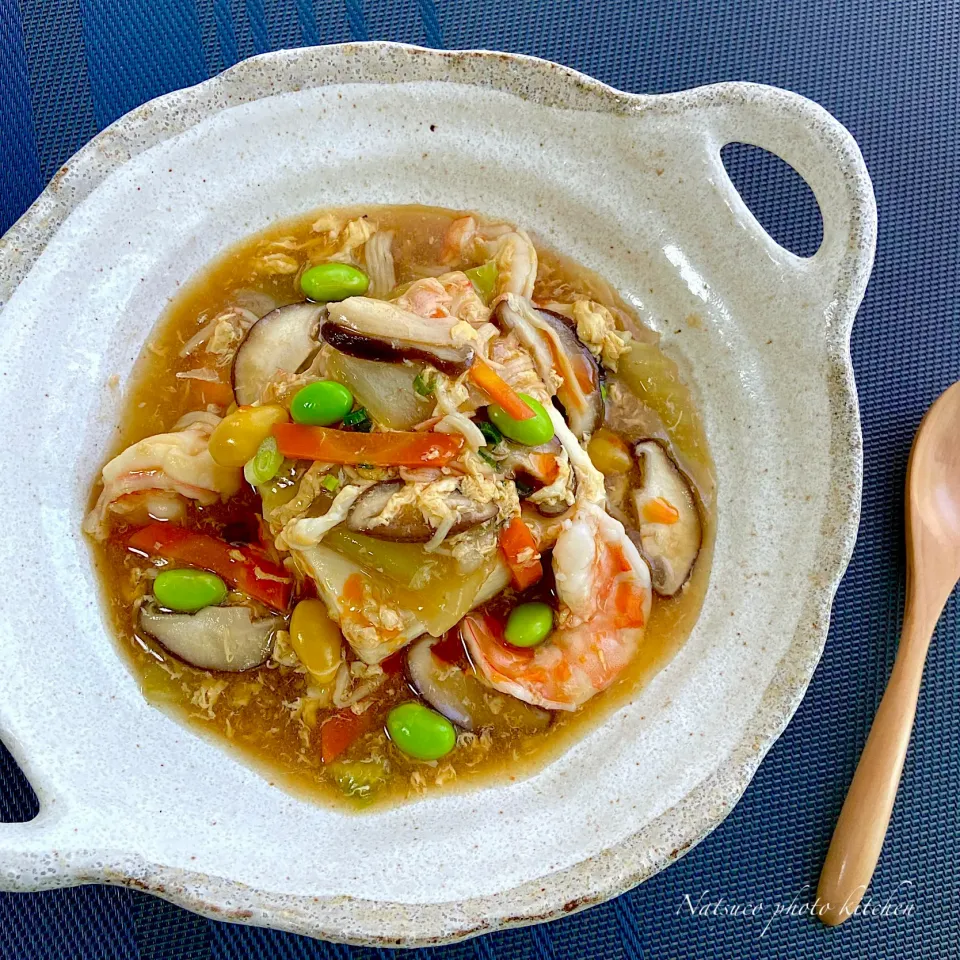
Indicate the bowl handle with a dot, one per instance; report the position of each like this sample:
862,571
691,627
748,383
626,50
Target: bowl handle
52,849
825,154
39,855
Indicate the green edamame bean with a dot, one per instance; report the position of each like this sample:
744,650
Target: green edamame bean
528,624
419,732
322,403
188,590
538,429
328,282
264,464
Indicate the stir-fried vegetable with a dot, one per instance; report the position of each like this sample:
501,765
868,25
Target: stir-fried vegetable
420,732
660,510
244,567
407,564
407,523
498,390
341,731
379,449
610,455
237,437
358,420
230,639
282,341
490,433
264,465
385,390
531,431
484,279
669,520
187,591
333,281
424,386
321,403
359,779
520,550
528,624
383,331
316,639
212,391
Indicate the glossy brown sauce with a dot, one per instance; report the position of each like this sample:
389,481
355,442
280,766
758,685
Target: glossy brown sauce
252,712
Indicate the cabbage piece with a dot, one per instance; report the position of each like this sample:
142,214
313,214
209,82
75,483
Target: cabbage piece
385,390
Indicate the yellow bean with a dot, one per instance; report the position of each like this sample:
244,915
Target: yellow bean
237,437
316,639
609,453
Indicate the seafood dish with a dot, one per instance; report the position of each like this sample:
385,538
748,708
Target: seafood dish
401,500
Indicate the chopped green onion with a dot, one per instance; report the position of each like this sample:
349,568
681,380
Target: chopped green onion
355,417
484,279
603,391
359,420
424,386
490,433
329,482
264,464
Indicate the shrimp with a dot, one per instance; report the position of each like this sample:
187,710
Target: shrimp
156,471
512,249
604,590
449,295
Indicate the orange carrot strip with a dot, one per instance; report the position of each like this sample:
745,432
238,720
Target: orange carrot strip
341,731
520,550
214,391
547,465
301,442
659,510
498,390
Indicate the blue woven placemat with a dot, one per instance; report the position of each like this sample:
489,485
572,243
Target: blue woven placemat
889,70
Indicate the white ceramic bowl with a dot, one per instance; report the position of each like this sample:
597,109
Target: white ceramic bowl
632,186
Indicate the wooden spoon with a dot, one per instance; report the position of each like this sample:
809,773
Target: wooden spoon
933,569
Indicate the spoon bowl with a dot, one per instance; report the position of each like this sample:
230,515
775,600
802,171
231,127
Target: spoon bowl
933,479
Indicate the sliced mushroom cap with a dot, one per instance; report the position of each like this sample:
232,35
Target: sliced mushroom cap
216,638
464,699
555,506
540,467
580,391
668,519
407,524
566,366
284,340
380,330
532,462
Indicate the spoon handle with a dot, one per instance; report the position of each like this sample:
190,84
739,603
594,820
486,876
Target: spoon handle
862,825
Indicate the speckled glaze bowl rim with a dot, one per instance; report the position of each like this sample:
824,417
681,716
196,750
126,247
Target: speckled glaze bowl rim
677,830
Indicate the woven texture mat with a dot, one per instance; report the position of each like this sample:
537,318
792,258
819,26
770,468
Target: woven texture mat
890,72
